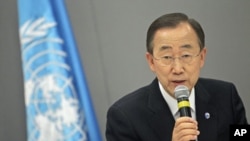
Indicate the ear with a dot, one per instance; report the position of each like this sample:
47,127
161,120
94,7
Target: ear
203,56
150,61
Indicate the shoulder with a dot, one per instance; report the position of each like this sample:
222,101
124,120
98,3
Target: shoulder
134,98
209,83
217,87
137,99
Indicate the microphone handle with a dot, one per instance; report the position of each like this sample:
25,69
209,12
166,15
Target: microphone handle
185,112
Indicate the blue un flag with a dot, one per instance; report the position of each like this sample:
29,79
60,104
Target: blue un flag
58,104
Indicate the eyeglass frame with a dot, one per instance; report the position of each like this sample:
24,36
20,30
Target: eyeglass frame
173,58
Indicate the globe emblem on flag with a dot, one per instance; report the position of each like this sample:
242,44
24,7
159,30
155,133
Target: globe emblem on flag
50,95
55,109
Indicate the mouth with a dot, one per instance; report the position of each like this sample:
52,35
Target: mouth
178,82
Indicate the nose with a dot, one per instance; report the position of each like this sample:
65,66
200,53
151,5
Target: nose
177,66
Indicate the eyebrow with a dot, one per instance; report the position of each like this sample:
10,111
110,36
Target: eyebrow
185,46
165,48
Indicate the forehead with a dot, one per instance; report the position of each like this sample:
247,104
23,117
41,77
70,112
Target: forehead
180,37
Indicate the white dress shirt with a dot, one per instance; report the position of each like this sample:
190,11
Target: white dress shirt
173,105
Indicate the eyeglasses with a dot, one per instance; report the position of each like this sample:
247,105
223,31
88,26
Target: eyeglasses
167,60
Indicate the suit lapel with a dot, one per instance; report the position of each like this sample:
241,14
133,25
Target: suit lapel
205,114
161,119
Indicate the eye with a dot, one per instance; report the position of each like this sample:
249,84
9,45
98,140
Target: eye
167,57
186,56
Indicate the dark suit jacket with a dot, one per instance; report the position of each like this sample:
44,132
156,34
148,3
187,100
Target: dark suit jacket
144,115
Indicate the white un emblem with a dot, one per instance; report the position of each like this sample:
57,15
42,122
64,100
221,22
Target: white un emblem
53,111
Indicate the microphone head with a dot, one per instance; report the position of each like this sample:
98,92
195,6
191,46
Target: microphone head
181,91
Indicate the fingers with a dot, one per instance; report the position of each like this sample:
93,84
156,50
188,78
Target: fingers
185,129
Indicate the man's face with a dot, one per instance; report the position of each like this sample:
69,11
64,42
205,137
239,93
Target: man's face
176,42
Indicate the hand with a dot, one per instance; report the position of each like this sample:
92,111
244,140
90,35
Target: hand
185,129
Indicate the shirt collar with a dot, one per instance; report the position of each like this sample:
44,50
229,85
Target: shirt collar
172,103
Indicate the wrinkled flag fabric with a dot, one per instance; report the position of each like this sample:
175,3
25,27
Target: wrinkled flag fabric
57,99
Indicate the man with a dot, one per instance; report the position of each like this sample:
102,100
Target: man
176,53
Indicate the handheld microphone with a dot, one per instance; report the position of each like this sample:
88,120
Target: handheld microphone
181,93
